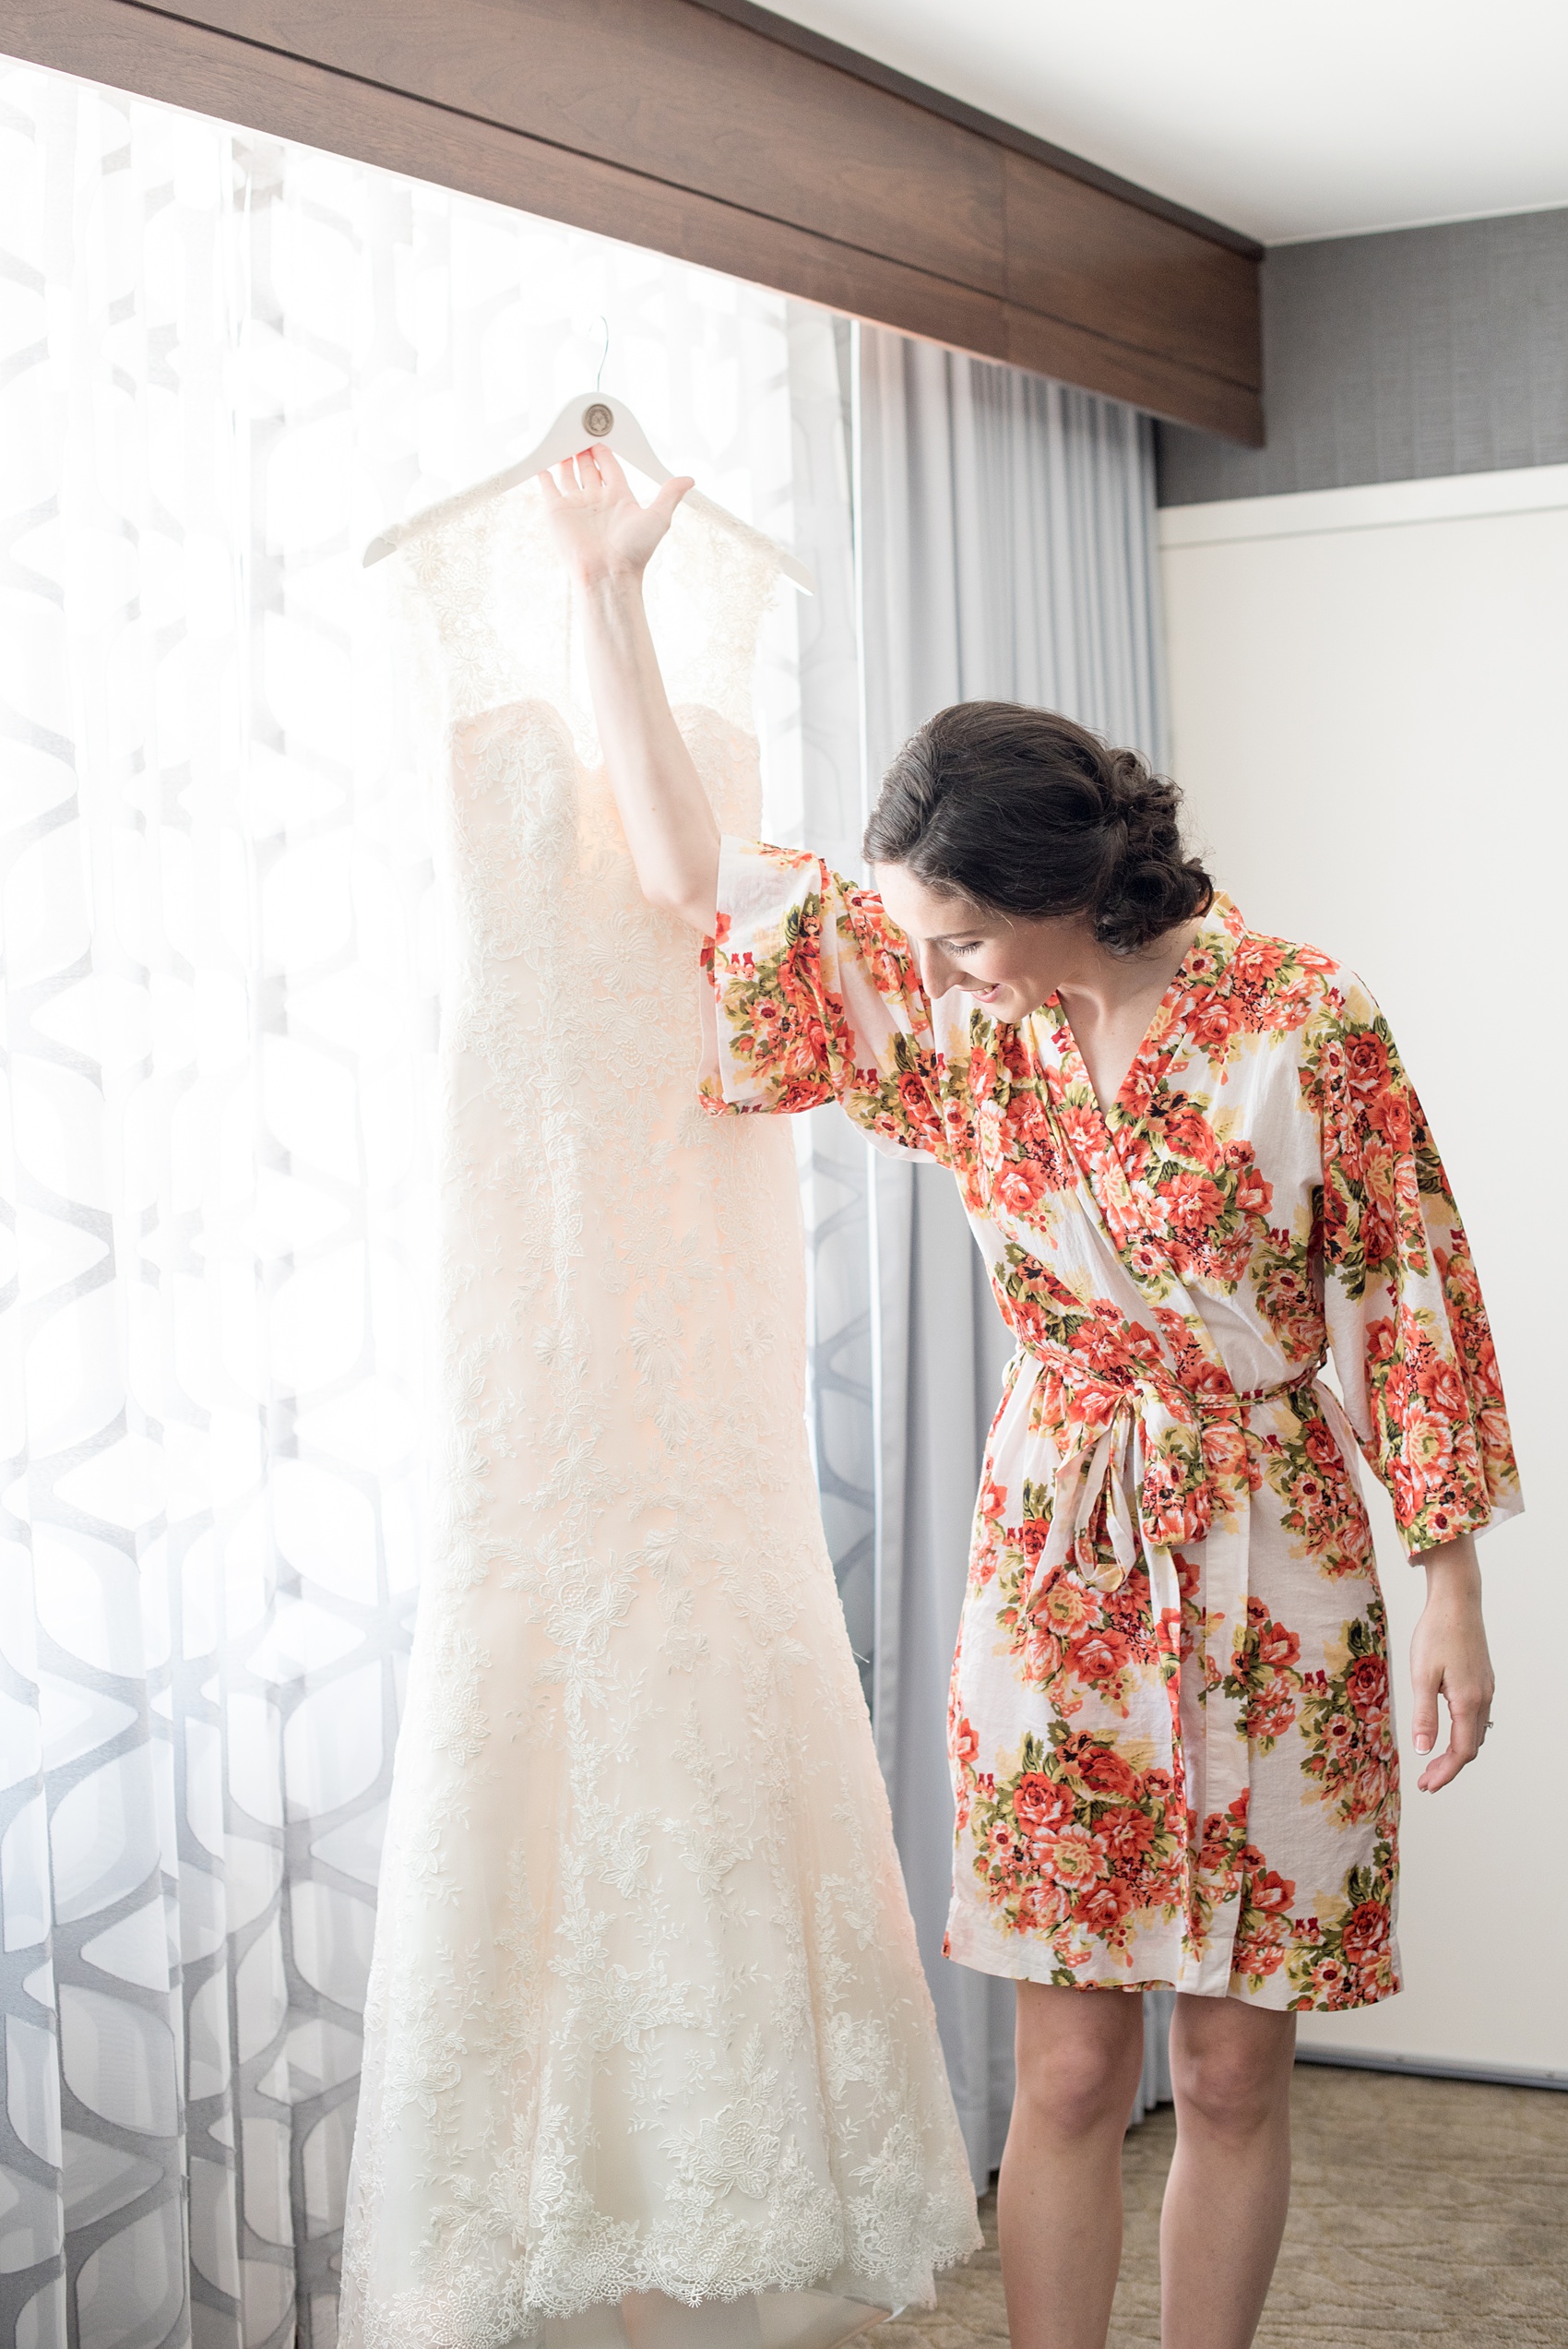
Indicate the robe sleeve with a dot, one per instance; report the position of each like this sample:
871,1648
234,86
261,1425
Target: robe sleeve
1412,1344
813,996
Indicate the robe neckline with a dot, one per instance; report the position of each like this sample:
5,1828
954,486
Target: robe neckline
1199,973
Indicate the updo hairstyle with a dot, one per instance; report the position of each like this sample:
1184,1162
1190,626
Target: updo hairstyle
1025,812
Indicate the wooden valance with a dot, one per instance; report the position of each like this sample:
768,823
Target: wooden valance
717,132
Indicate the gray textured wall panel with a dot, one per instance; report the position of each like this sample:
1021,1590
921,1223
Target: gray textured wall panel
1399,357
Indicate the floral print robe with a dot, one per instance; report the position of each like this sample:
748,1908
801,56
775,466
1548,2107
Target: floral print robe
1172,1750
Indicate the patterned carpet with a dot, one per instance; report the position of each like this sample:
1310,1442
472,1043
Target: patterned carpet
1425,2211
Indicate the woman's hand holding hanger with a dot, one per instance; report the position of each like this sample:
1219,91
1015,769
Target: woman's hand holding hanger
605,538
600,528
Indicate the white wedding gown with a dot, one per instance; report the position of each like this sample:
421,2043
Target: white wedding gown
650,2057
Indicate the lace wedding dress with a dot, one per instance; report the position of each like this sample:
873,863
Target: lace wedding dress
648,2054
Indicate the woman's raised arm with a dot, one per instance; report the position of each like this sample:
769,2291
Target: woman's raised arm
606,539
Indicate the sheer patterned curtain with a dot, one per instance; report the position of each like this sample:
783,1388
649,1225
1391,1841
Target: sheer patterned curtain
1006,552
227,363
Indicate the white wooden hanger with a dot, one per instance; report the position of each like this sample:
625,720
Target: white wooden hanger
588,417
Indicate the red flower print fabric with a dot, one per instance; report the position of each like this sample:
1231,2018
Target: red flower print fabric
1171,1741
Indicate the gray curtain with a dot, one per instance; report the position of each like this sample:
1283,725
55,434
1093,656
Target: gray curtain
826,812
1005,551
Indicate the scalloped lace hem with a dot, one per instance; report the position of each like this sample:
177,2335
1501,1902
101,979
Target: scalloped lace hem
658,2302
806,2320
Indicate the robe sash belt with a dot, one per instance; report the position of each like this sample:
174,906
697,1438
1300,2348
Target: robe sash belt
1152,1463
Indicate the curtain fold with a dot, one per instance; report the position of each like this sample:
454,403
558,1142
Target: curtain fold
823,808
1006,552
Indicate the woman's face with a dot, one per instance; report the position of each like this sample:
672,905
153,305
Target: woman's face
1010,965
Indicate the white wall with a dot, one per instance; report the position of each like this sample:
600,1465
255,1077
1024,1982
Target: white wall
1370,694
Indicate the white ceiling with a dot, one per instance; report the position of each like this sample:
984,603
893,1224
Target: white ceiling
1319,118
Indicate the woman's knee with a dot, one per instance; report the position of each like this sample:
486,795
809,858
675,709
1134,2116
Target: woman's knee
1078,2064
1234,2075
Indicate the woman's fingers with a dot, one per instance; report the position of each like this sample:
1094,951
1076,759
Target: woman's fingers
670,496
593,476
1466,1724
1469,1717
1423,1719
566,482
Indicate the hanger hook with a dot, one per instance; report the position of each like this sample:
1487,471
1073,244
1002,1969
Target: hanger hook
605,351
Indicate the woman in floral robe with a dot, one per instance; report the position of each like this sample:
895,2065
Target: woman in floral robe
1196,1170
1171,1738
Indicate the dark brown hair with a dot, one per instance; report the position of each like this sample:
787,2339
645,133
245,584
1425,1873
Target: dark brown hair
1023,812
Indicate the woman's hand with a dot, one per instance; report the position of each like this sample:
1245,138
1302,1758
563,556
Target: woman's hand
600,530
1448,1657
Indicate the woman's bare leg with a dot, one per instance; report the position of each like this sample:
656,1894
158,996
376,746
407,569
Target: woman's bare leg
1229,2183
1059,2200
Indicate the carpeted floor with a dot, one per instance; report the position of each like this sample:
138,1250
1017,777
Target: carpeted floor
1425,2211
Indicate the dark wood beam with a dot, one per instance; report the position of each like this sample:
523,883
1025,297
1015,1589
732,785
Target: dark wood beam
710,130
791,35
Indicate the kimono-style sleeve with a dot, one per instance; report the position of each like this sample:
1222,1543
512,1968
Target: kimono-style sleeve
1411,1341
815,996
